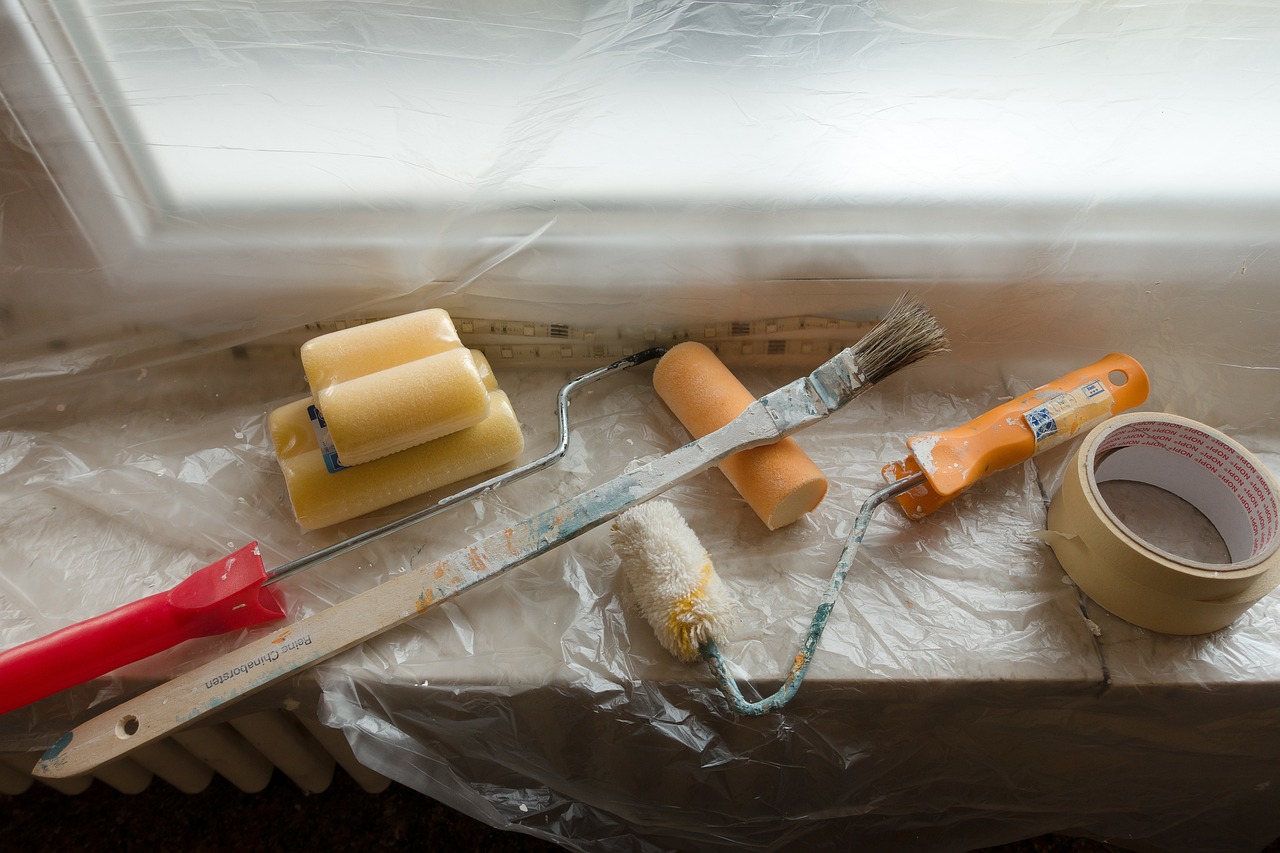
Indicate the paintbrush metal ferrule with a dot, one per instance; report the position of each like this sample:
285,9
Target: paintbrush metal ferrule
837,381
793,407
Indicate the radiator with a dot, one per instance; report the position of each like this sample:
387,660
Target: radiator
246,751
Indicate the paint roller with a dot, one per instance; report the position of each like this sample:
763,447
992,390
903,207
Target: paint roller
679,593
324,491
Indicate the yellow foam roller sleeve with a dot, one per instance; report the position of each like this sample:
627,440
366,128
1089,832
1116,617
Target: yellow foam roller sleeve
360,350
321,498
390,385
403,406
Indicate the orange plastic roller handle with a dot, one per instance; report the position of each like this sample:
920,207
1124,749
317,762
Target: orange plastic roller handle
953,460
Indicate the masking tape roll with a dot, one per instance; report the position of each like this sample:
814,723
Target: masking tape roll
1145,584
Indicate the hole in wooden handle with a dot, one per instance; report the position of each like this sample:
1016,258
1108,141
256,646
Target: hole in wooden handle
127,727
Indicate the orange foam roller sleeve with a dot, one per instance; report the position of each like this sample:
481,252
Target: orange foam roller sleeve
779,481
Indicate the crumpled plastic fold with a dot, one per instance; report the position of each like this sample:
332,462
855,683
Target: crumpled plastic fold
608,178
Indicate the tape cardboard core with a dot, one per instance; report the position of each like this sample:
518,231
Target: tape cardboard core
1203,469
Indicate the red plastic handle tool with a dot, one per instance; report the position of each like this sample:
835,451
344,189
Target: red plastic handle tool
223,596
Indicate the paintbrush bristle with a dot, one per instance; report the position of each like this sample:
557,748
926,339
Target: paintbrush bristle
907,334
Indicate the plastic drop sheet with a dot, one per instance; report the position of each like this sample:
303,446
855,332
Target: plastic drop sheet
186,196
959,679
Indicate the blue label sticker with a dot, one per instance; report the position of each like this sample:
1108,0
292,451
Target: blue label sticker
327,450
1093,389
1041,422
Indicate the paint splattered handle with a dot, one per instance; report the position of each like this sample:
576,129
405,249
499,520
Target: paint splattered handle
222,596
1013,432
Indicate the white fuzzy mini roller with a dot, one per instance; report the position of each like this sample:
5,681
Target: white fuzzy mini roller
676,587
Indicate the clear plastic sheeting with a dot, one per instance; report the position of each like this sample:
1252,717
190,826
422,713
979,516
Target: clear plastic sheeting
964,693
960,695
188,193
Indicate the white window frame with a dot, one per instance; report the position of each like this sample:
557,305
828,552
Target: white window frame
138,237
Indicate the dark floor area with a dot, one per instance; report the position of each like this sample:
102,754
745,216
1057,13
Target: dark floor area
222,818
282,818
